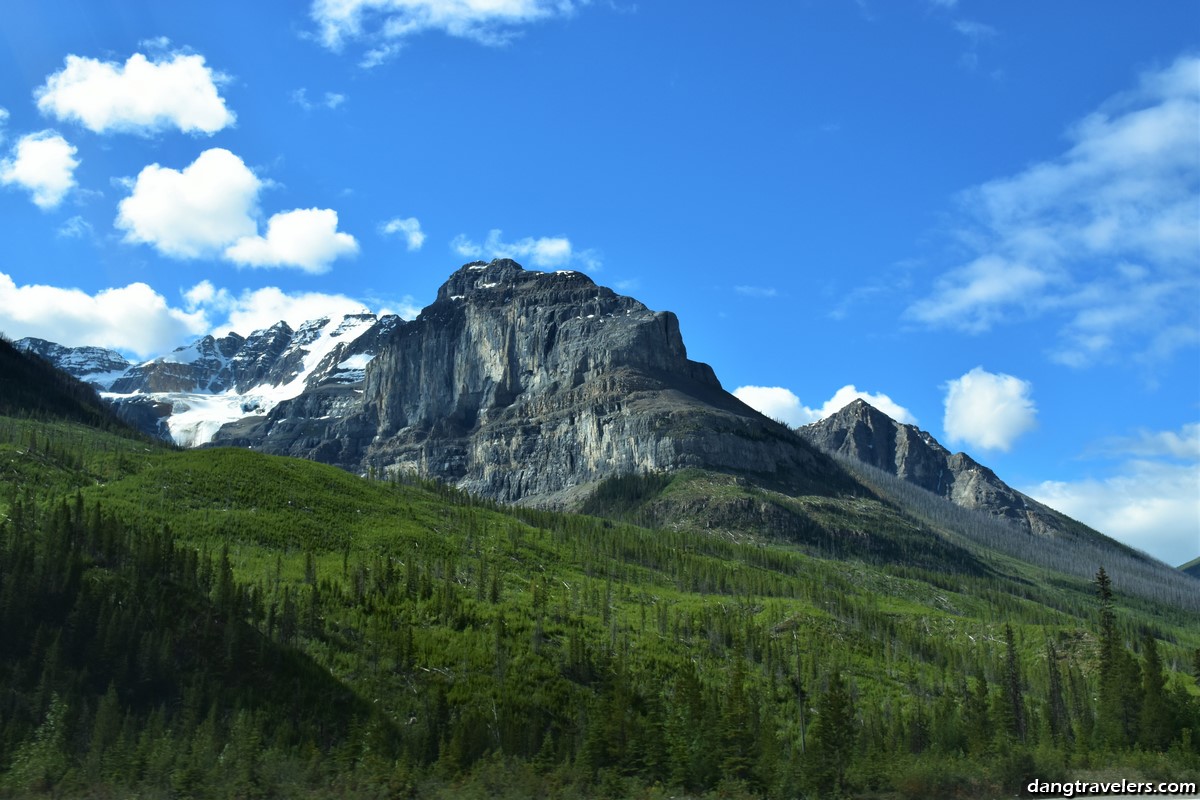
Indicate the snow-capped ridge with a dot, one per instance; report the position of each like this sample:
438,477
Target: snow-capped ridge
191,392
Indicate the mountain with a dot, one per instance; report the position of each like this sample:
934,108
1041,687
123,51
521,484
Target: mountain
1191,568
187,395
863,432
533,387
218,622
93,365
33,387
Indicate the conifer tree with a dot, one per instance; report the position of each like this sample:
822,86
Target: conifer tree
1154,724
1015,710
831,746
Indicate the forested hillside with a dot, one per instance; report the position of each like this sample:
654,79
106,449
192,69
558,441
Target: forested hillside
220,623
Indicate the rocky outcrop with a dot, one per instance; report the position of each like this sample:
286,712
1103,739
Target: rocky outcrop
531,387
865,433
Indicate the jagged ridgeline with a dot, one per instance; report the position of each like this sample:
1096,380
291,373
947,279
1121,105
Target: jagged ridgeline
220,622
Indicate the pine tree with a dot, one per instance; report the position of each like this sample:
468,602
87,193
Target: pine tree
1056,701
831,746
1014,700
1154,724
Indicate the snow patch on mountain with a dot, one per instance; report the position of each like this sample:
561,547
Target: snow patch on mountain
319,351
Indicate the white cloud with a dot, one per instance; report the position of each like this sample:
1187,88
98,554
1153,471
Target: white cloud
193,213
410,228
988,410
756,291
133,318
1151,505
782,404
1057,239
140,96
43,164
75,228
254,309
545,251
330,100
974,30
137,320
209,209
1181,444
386,24
306,238
3,121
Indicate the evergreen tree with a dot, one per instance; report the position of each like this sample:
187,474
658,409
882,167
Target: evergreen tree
1014,712
1154,724
831,746
1056,701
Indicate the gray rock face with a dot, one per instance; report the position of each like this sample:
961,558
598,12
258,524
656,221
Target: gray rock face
528,386
867,434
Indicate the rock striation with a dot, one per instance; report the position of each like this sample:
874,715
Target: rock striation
863,432
532,387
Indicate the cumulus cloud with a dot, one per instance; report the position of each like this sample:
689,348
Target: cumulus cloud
140,96
386,24
306,238
43,164
133,318
139,321
409,228
1103,234
1151,502
545,251
988,410
194,212
782,404
254,309
209,209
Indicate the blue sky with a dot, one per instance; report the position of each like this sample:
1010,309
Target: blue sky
987,212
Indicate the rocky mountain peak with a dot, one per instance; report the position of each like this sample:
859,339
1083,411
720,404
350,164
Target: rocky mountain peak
864,433
502,280
532,386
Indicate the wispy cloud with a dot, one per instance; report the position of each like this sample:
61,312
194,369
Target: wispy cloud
75,228
409,228
329,100
384,25
1150,500
543,251
756,291
1102,237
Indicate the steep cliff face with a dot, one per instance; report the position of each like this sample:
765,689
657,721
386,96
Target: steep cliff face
865,433
529,386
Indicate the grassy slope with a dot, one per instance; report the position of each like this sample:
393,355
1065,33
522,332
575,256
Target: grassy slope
427,593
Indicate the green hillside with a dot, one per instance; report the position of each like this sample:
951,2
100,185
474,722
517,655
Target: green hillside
219,623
